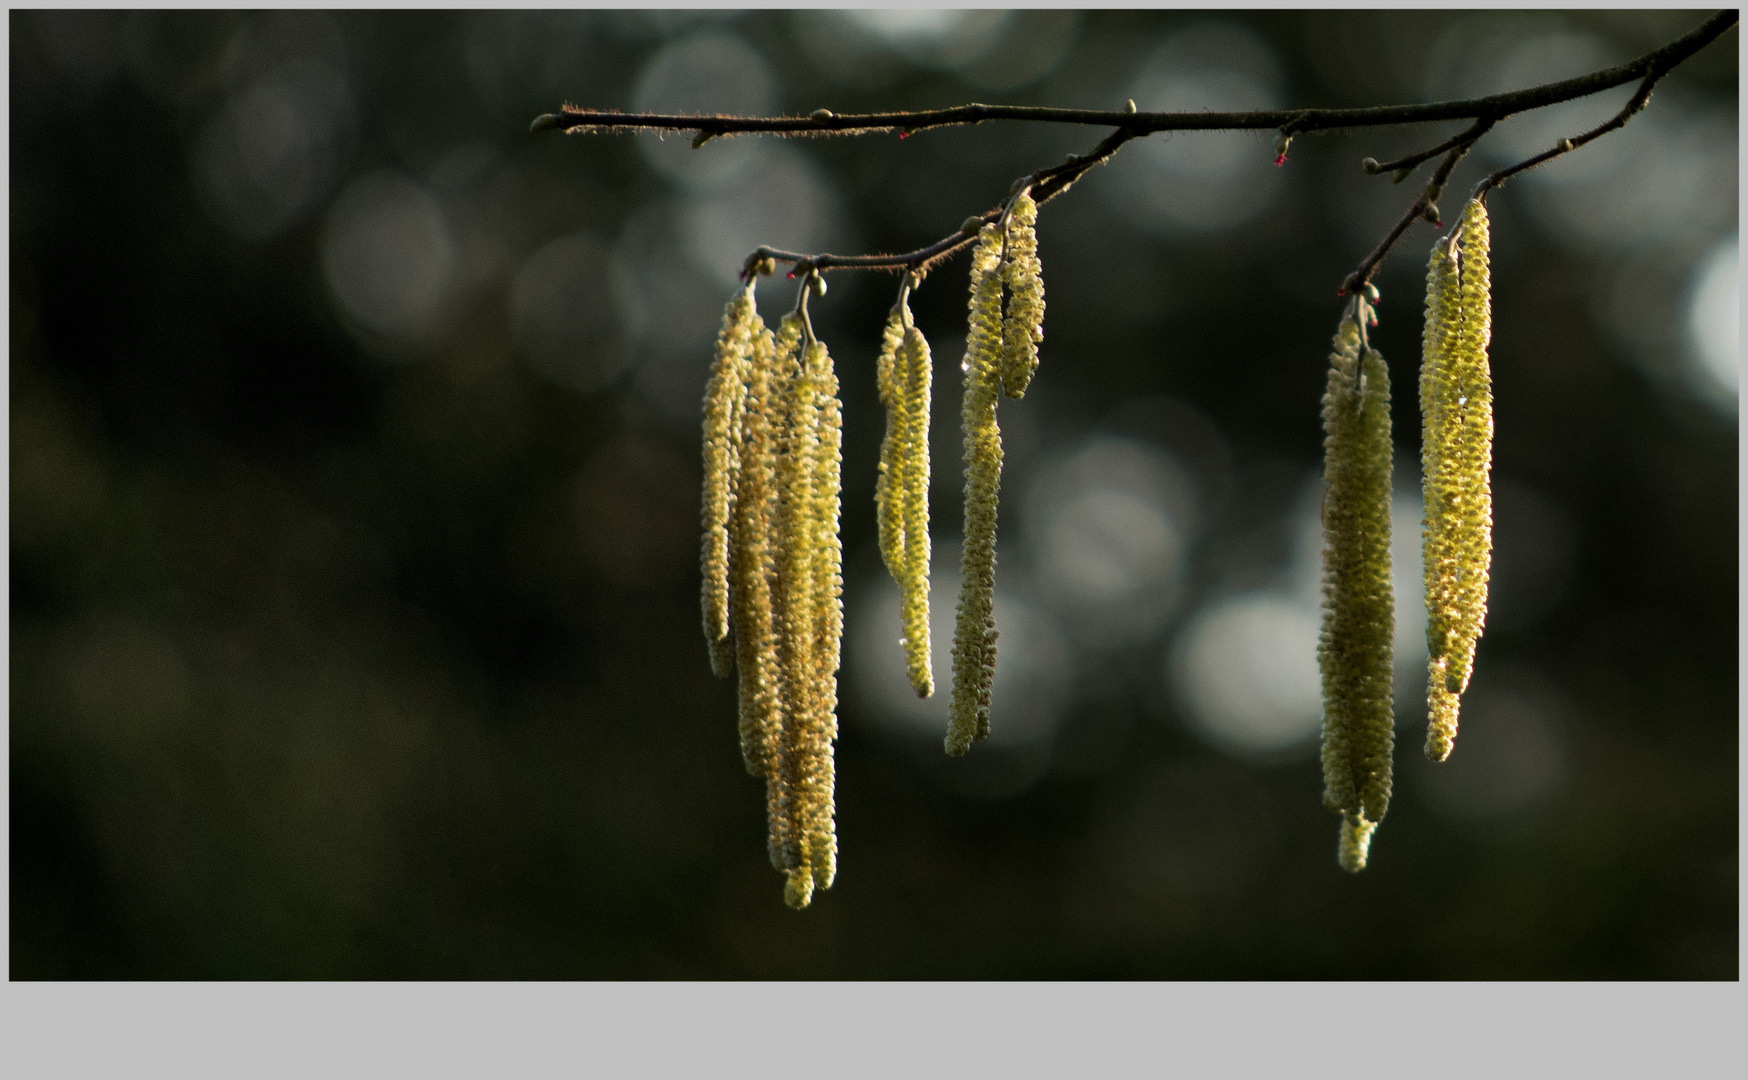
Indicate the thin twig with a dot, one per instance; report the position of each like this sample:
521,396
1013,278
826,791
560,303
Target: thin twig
1290,121
1416,209
1566,146
1046,184
1404,164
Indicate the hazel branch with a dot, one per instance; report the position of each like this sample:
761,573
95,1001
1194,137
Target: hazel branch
1290,121
1130,124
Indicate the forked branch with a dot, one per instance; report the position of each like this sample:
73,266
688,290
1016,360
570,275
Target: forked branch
1130,124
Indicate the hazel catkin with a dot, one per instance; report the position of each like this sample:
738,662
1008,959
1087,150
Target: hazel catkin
1456,459
1355,650
723,401
917,375
974,634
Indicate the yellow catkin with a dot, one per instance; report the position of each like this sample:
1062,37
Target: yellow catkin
792,623
918,374
889,479
974,632
1440,498
1457,407
803,776
722,406
828,613
783,576
1023,328
752,564
903,374
1355,649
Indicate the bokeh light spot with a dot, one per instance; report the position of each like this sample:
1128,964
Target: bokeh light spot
1714,316
714,72
1033,675
389,257
1246,667
562,314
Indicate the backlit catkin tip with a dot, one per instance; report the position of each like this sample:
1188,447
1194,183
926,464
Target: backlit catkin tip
1356,842
798,888
1441,713
722,657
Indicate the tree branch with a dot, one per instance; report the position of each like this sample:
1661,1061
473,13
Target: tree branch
1046,184
1422,206
1289,121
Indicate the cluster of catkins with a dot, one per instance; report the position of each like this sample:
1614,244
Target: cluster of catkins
773,571
773,559
1355,651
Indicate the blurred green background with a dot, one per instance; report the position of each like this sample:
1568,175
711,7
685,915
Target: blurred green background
354,625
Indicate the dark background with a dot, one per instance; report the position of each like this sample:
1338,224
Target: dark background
354,625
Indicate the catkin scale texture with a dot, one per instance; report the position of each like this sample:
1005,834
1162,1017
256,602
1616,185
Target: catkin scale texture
1355,650
974,634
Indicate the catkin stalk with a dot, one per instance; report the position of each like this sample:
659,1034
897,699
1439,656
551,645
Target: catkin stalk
1355,649
974,632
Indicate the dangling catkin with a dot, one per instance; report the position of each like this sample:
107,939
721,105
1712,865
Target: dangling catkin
773,453
1023,328
901,490
1456,457
1441,499
1355,650
751,541
917,375
889,479
974,628
722,407
797,563
820,843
